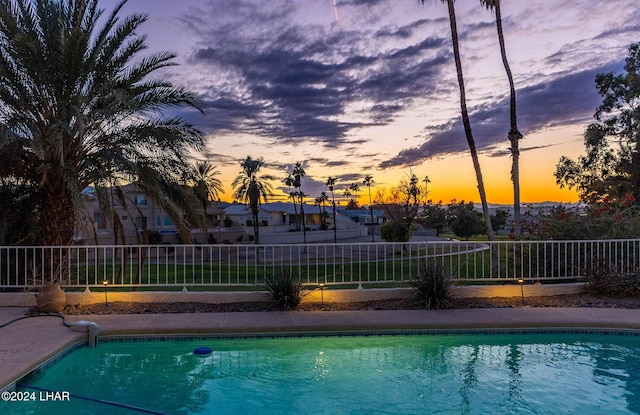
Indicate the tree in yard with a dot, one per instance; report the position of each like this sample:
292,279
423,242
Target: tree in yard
433,216
206,185
79,107
368,181
464,220
426,182
611,167
331,182
499,220
252,189
298,174
465,117
352,195
514,135
320,201
402,204
347,194
289,181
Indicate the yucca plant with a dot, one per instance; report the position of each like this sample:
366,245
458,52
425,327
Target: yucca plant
432,285
285,288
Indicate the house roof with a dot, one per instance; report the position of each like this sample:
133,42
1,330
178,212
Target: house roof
288,208
356,213
237,209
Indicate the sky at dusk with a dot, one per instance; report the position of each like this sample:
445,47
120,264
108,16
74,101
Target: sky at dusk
369,86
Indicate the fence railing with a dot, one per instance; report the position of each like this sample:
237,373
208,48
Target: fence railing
356,263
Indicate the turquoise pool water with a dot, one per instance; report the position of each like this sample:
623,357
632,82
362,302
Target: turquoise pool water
436,374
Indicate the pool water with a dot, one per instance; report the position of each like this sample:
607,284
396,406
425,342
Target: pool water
436,374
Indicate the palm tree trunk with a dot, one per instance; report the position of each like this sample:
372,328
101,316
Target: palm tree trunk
373,235
335,225
466,122
254,203
58,219
295,211
304,225
514,133
256,225
57,222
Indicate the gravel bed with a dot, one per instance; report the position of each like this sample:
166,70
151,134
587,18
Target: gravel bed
569,300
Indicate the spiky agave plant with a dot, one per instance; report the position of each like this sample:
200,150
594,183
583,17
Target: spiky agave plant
285,288
432,285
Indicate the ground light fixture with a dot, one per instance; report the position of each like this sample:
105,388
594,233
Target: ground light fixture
521,282
105,283
322,293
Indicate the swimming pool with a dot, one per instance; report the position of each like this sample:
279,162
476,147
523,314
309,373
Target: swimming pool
553,373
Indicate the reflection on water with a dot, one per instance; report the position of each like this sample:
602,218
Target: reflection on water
497,374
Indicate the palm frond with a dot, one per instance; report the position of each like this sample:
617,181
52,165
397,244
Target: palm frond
78,97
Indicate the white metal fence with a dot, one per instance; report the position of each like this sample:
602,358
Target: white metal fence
349,263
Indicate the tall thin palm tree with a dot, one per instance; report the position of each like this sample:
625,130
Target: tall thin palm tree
289,181
252,189
85,108
426,182
298,174
206,187
320,201
355,195
368,181
514,134
465,117
331,182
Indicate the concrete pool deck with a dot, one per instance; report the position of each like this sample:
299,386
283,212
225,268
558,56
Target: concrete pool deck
28,343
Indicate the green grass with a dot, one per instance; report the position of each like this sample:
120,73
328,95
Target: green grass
476,238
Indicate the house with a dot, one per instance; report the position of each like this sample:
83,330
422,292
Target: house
280,215
278,223
285,214
224,223
139,212
364,216
239,214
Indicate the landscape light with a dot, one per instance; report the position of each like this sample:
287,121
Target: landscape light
521,282
105,283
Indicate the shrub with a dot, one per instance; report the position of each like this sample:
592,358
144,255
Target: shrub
393,231
155,237
285,288
607,219
432,285
605,278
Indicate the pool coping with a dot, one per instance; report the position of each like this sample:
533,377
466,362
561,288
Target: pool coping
29,343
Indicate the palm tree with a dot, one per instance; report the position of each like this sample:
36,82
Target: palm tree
298,174
320,201
252,189
289,181
355,189
347,194
368,181
331,182
465,117
85,108
514,134
206,185
426,182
